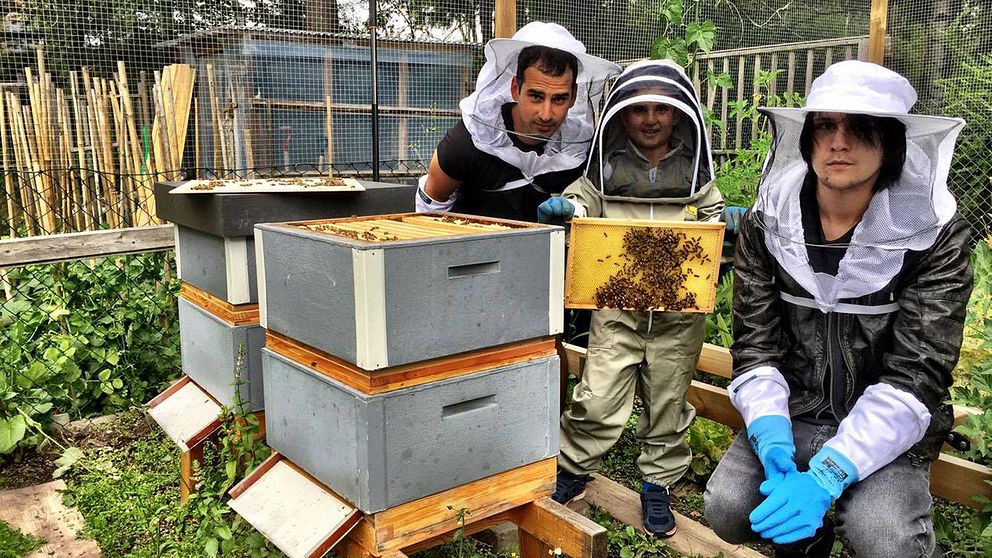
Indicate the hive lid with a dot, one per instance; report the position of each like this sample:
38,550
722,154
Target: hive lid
294,511
186,413
643,265
411,226
270,185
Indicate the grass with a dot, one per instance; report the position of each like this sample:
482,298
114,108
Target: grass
15,544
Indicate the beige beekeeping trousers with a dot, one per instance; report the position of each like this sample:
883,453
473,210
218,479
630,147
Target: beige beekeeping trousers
623,352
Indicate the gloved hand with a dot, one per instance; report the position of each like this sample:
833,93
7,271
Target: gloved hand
771,439
732,216
795,507
555,210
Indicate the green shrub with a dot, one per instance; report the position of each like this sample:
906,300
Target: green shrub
84,339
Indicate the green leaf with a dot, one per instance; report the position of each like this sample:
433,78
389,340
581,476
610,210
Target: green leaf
12,431
724,80
69,458
703,35
58,313
104,375
670,49
223,532
117,383
672,11
211,547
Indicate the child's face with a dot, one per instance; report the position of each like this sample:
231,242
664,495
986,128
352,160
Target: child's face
649,125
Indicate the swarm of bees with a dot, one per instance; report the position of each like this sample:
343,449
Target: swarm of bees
652,276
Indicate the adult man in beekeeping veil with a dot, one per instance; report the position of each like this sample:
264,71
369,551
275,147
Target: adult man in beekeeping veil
852,282
650,160
525,131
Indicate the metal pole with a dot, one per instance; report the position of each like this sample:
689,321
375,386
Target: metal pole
373,25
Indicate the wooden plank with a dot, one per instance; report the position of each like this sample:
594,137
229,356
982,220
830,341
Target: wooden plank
716,360
790,78
505,24
713,403
561,528
421,520
740,99
187,473
407,375
959,480
692,538
755,92
876,31
38,510
783,47
90,244
713,359
723,107
810,58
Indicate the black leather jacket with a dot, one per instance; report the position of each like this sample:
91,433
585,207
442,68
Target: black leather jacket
914,348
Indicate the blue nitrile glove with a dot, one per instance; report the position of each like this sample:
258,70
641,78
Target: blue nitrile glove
795,508
556,210
732,215
771,439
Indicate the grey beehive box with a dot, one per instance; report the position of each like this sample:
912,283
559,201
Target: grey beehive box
381,304
379,451
210,349
214,235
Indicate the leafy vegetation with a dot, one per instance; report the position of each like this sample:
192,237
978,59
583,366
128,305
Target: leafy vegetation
84,338
15,544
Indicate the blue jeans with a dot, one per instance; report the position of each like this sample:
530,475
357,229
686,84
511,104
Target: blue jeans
886,515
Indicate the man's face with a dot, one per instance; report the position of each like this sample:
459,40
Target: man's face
649,125
842,161
542,103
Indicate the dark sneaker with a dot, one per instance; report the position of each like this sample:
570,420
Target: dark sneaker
817,546
656,506
569,487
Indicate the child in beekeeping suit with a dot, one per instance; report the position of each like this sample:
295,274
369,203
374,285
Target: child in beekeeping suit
650,160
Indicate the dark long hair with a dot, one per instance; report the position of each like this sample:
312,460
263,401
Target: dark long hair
889,133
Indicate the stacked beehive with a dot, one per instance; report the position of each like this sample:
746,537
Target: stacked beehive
410,354
220,334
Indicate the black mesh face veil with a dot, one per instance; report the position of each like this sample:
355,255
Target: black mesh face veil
653,81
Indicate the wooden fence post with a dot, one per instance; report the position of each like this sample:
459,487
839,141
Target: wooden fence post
506,18
876,34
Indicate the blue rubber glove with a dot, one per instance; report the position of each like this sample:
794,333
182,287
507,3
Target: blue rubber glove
795,507
732,215
771,439
555,211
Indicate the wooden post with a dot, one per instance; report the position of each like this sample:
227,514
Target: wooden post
876,33
505,18
187,478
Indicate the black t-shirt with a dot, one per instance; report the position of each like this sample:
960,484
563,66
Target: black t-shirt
479,172
824,255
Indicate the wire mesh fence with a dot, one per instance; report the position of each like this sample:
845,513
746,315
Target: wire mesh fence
100,100
945,50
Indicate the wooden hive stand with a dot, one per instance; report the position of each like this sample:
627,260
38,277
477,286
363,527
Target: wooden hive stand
520,496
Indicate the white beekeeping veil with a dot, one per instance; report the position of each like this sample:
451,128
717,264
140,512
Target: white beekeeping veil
482,110
653,81
908,215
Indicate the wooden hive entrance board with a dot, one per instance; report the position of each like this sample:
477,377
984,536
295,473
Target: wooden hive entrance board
520,496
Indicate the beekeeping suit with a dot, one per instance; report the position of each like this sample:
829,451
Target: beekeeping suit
849,368
658,349
499,174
